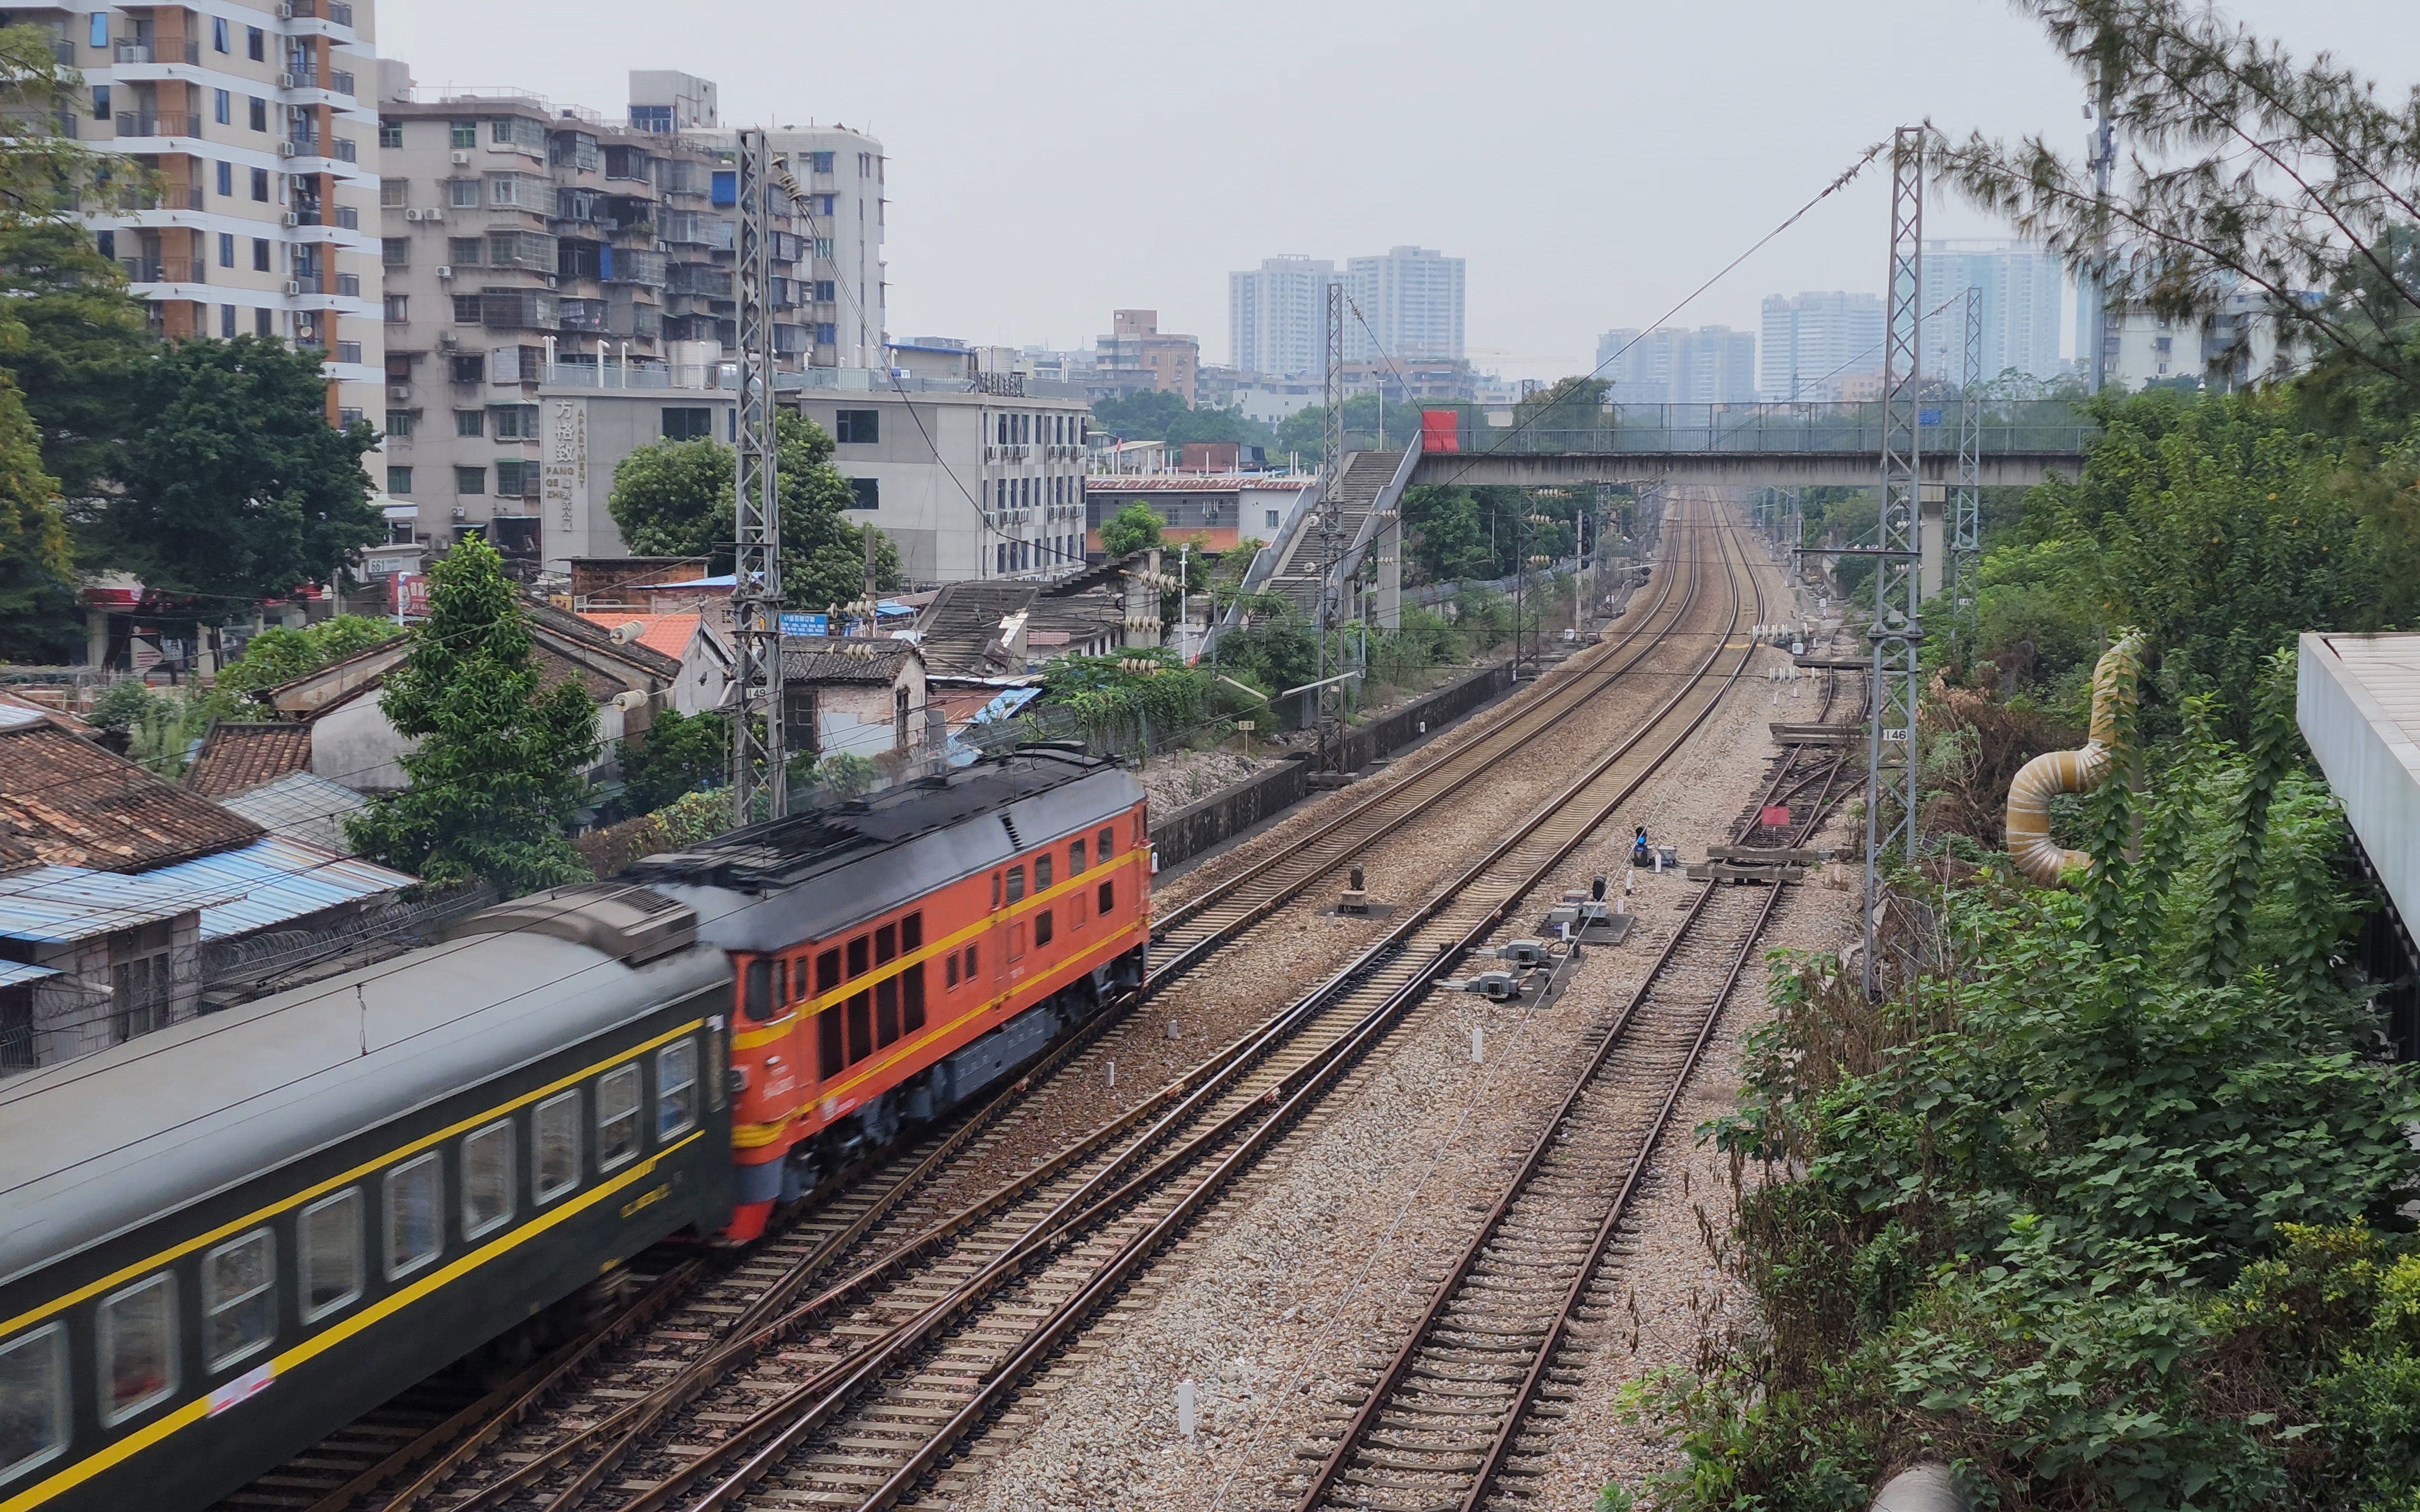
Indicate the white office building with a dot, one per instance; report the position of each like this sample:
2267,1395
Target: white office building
1277,317
1409,301
2021,290
1814,341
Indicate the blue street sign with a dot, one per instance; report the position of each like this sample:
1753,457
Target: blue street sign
805,623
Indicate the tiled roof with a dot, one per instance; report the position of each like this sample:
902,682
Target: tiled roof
964,619
822,660
67,802
57,717
666,634
238,757
595,640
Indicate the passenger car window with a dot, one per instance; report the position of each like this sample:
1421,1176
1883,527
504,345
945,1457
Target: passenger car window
33,1398
827,971
487,1179
332,1254
240,1298
138,1347
1043,933
1107,900
415,1213
886,944
554,1129
617,1117
857,962
675,1089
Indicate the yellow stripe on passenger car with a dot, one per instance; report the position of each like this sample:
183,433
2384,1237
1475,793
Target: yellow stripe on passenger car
169,1256
198,1408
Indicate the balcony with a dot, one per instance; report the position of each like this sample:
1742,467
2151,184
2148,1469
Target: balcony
137,123
336,12
151,52
349,286
165,270
63,51
341,82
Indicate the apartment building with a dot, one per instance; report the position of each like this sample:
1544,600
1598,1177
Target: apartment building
264,219
842,173
2021,290
1818,345
1277,317
1712,364
1137,354
1409,301
527,244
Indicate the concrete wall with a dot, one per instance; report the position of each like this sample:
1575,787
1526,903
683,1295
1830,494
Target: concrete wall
1187,832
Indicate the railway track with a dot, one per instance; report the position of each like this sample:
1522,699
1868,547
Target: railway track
860,1394
714,1339
1454,1416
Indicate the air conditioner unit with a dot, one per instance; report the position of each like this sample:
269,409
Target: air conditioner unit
286,150
411,215
285,80
292,287
445,272
284,10
432,213
291,218
460,513
461,159
399,391
445,338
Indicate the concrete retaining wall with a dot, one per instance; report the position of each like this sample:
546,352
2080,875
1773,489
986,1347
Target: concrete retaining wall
1187,832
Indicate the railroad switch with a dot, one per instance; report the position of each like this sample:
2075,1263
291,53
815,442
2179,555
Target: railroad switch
1524,952
1496,986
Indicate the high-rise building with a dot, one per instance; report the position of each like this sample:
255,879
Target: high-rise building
1712,364
257,121
1813,341
2022,288
843,299
1411,300
1277,317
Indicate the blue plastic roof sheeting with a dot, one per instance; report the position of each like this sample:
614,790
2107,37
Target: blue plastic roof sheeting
15,974
55,904
1009,702
275,879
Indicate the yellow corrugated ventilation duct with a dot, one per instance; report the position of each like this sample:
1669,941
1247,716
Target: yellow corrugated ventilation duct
2070,771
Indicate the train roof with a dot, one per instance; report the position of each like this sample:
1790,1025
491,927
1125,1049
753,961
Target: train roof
773,886
98,1145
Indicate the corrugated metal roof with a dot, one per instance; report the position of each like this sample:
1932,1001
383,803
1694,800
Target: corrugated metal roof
301,807
13,974
55,904
276,879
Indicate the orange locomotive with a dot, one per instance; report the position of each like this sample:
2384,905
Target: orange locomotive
897,955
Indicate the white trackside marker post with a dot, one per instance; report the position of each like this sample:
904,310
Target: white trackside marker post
1184,1424
1113,1075
1478,1043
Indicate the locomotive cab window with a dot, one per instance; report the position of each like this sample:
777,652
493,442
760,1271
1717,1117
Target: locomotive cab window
554,1131
1107,898
756,999
488,1179
1076,857
415,1214
1043,933
950,972
675,1089
1101,842
1042,872
1016,883
34,1414
138,1347
240,1298
331,1241
617,1117
829,1062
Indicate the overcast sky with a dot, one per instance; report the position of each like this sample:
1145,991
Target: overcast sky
1592,161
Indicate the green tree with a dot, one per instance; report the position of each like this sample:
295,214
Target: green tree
679,754
235,487
1302,432
77,353
495,779
280,654
1154,416
1133,528
37,595
675,499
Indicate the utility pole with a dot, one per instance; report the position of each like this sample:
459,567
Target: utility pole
1966,505
756,590
1331,501
1895,634
2102,148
